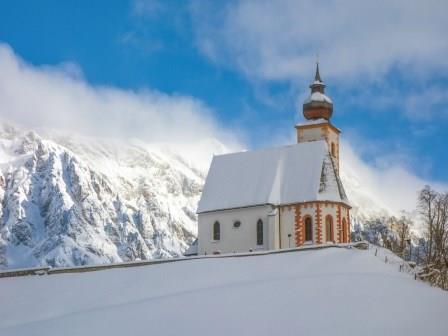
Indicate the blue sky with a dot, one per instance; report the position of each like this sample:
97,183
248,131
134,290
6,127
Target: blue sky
250,63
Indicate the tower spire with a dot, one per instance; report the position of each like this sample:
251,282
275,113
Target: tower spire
317,105
317,76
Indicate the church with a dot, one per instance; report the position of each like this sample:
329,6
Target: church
281,197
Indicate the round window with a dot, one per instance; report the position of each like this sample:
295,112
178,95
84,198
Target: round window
236,224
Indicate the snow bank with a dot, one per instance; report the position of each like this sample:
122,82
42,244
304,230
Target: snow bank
320,292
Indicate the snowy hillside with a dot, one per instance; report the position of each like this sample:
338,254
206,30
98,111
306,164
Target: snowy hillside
75,201
333,291
68,200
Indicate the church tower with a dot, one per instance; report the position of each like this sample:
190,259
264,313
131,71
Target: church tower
317,110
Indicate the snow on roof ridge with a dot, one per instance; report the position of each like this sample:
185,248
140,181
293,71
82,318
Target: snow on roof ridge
280,175
258,150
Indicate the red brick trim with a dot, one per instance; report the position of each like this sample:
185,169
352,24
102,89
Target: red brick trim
318,224
299,236
348,226
339,230
342,211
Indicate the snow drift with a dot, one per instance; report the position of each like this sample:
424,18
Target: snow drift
331,291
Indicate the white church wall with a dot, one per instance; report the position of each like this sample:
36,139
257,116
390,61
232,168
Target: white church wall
345,215
310,210
318,132
273,229
333,137
332,210
329,209
234,240
310,134
287,225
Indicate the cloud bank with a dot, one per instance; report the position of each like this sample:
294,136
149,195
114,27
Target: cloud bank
389,186
278,40
58,98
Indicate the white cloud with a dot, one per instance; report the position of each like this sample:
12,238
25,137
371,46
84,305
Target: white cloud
278,40
57,97
389,185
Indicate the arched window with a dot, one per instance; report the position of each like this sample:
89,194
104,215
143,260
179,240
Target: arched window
344,230
333,150
260,232
329,228
308,229
216,231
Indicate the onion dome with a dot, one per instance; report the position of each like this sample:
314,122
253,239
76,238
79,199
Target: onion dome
317,105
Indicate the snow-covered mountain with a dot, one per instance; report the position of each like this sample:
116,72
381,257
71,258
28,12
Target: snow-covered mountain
70,200
74,201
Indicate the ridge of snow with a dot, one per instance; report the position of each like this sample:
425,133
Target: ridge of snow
331,291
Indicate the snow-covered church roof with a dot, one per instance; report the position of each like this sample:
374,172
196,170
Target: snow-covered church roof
284,175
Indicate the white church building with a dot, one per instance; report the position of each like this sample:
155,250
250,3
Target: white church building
281,197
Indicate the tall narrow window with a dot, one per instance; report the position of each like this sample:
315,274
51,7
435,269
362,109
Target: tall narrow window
333,149
216,231
260,232
344,230
329,228
308,229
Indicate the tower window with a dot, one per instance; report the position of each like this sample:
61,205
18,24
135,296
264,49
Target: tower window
333,150
260,232
236,224
216,231
308,229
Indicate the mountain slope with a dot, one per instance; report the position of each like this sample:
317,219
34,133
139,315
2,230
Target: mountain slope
75,201
68,200
333,291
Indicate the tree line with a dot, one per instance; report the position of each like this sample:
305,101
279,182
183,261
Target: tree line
429,253
433,208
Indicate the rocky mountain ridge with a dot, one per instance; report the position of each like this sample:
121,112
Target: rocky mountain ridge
74,202
70,200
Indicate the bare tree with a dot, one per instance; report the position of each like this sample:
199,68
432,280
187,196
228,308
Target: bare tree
426,206
433,207
403,229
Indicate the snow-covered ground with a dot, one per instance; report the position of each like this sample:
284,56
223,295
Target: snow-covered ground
333,291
